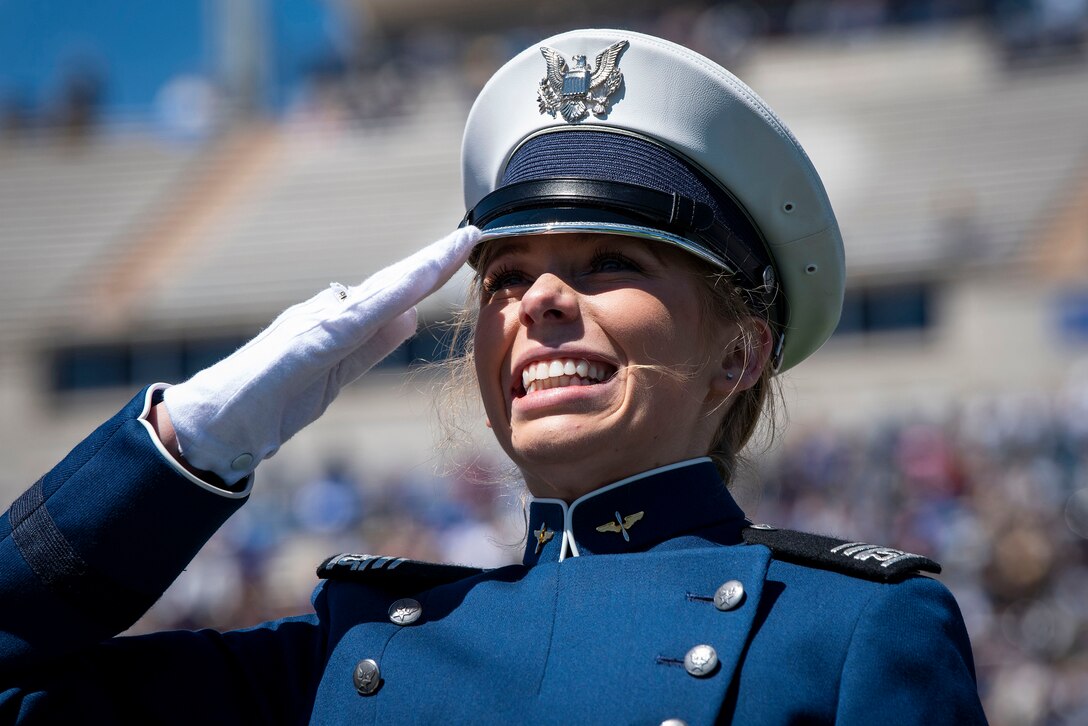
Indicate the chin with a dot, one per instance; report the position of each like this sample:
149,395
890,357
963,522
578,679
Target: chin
545,450
545,443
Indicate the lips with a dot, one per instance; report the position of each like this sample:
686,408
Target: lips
544,374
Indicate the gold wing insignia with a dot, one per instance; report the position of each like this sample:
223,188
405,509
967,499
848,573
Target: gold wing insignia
549,92
628,522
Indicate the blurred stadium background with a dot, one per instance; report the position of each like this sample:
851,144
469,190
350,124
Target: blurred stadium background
174,174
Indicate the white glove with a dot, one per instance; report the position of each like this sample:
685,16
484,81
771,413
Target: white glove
230,416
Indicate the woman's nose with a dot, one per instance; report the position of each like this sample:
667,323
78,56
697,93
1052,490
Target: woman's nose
549,298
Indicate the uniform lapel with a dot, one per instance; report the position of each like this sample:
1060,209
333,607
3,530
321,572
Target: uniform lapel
637,565
632,620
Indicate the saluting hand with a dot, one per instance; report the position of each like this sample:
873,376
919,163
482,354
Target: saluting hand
229,417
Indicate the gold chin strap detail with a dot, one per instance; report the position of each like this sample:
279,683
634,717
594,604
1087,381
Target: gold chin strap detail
622,524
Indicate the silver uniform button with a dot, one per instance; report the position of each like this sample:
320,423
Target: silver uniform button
674,722
701,661
367,677
405,612
729,595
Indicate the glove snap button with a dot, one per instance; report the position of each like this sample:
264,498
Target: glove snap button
242,462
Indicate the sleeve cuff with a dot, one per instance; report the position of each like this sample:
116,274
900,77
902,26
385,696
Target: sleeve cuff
153,396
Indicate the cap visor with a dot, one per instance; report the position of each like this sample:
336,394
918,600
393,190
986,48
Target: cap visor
583,221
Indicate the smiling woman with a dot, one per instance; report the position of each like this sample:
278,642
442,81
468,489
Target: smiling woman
657,376
652,245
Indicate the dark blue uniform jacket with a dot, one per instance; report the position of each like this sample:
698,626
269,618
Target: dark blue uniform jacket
615,591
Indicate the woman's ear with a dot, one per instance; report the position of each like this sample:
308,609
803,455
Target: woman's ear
743,357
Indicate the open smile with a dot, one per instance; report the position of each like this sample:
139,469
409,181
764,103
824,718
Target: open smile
543,375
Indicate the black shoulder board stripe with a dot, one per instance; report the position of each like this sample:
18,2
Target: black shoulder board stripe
375,568
860,559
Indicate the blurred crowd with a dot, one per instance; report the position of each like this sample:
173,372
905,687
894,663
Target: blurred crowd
262,563
997,491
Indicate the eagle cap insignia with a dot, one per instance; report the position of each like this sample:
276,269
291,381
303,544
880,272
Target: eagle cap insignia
575,92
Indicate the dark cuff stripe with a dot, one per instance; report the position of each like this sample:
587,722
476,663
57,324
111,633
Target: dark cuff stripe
41,543
61,569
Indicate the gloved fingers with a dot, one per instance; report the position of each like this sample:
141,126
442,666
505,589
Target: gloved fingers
357,312
381,344
300,318
215,423
439,259
310,402
245,406
403,285
348,317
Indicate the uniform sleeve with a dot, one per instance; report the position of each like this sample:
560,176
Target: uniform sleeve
85,552
910,661
263,675
93,543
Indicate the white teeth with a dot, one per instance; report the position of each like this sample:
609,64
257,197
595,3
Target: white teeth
558,373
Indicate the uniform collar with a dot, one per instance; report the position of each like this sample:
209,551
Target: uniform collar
631,515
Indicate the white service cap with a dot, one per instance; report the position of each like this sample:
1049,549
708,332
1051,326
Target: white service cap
618,132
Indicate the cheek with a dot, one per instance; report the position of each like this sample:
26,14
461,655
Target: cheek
491,346
660,329
646,327
488,336
679,324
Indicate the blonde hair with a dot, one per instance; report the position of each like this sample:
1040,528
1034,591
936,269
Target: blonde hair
725,303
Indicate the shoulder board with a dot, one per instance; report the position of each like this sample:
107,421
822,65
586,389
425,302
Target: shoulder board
859,559
391,570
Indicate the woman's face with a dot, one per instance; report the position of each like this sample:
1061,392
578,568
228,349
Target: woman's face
565,322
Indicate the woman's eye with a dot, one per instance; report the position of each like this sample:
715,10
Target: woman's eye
503,279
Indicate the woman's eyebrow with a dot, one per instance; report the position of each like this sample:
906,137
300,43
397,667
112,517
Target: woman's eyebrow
503,248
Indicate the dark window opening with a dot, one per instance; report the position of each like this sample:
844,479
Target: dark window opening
886,309
139,363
